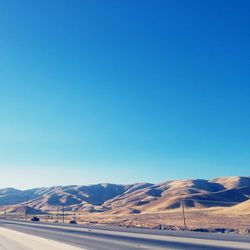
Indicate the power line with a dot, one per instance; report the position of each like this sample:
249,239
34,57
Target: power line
74,214
57,213
63,213
26,207
183,215
226,202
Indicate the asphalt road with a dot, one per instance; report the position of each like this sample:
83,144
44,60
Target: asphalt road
13,240
106,238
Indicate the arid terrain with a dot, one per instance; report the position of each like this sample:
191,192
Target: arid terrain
220,204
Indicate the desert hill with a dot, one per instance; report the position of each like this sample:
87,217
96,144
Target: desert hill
232,182
21,209
241,208
233,192
10,196
168,195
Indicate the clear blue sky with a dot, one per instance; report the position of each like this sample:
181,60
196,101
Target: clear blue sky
123,91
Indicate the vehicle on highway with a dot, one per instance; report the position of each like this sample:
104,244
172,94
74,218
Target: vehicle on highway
72,222
35,218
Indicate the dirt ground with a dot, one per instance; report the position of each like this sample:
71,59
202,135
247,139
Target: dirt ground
196,219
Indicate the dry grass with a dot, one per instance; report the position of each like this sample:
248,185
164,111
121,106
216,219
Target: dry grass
195,218
210,218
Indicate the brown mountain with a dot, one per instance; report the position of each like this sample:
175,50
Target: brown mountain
135,198
21,209
241,208
168,195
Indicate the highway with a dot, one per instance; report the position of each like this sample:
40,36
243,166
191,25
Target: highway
13,240
106,238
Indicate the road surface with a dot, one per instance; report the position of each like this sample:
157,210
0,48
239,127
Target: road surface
12,240
106,238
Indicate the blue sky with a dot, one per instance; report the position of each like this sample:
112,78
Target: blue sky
123,91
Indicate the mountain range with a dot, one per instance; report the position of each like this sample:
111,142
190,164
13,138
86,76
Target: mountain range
230,193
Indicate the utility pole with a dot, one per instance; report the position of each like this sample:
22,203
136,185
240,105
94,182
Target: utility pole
57,214
74,214
26,207
63,213
183,215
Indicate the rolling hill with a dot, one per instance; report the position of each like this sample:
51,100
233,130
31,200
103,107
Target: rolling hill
233,192
241,208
